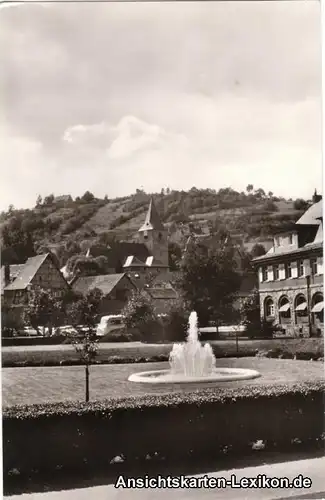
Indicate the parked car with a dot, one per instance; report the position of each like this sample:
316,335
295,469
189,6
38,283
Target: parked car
110,324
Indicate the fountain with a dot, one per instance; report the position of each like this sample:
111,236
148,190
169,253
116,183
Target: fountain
192,362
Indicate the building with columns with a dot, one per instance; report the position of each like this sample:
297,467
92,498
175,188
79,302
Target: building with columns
290,277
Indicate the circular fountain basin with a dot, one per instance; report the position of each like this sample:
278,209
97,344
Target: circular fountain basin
218,375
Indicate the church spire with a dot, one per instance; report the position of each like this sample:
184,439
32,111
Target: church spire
152,220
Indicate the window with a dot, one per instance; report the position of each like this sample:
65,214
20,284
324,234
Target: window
264,273
300,266
17,297
284,308
317,308
276,274
313,266
290,239
288,270
300,307
277,241
269,307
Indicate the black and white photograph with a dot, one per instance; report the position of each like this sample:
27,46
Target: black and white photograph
161,232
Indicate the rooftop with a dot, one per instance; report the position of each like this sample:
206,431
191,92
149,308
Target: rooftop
26,272
313,215
105,283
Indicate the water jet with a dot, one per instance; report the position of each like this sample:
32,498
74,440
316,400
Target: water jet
192,362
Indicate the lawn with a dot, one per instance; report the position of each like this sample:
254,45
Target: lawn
55,384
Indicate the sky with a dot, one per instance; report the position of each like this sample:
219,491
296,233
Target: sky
111,97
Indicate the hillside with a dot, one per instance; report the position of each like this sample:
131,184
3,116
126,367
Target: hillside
68,226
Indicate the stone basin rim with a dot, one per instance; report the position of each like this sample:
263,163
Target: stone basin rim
219,375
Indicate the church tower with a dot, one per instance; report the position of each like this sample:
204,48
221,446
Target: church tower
153,234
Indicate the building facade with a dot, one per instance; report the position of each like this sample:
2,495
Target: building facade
38,272
116,290
290,278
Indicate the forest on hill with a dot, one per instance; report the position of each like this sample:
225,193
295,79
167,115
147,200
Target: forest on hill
67,226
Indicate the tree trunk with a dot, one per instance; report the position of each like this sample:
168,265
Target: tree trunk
87,383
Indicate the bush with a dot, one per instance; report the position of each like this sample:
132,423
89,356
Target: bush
120,336
88,436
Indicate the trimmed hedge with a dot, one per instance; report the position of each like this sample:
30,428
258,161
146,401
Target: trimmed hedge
304,349
33,340
78,436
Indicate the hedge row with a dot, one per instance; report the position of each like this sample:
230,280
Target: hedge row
304,349
78,436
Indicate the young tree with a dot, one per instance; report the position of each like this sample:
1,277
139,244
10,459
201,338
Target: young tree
83,314
209,280
250,313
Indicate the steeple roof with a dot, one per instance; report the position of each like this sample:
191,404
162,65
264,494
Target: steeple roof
152,220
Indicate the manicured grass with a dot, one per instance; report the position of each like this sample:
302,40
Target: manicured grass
137,352
55,384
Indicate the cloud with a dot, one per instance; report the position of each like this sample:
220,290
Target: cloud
121,142
116,95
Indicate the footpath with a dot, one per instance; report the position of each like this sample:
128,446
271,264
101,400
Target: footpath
312,470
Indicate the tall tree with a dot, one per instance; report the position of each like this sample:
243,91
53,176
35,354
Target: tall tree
43,309
209,280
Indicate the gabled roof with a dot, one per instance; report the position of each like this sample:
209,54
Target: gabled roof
27,272
313,215
118,252
152,220
106,283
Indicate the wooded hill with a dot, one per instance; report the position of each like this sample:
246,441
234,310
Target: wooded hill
68,226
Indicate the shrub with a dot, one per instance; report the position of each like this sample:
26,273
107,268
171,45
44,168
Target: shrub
135,427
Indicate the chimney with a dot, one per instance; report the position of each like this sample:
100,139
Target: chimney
7,274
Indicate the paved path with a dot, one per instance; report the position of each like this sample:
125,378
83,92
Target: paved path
312,468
